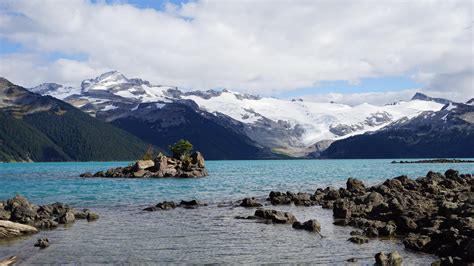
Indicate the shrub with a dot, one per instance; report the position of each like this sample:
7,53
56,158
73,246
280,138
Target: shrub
181,149
149,153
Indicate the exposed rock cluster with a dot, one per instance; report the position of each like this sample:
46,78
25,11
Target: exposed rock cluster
161,166
19,217
433,214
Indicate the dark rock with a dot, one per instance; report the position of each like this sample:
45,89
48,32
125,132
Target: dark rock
405,224
374,198
388,230
86,174
341,210
355,185
168,205
67,218
46,224
310,225
4,214
381,259
190,204
42,243
275,216
393,259
250,202
92,216
416,242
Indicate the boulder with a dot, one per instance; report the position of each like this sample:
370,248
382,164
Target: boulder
275,216
4,214
67,218
374,198
381,259
355,185
42,243
10,229
143,164
92,216
46,224
416,242
250,202
310,225
393,259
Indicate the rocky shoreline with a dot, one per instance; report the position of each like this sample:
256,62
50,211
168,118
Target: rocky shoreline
432,214
437,161
161,166
19,217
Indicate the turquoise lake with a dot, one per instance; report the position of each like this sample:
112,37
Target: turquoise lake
125,234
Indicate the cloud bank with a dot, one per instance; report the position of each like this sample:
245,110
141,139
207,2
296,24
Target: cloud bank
263,47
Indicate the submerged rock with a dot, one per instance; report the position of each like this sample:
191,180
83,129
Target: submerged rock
358,239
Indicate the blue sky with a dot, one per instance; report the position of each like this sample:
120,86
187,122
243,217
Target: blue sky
295,48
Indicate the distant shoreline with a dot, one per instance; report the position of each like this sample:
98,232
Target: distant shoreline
437,161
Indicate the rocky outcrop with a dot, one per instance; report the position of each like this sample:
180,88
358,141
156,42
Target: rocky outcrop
19,216
161,166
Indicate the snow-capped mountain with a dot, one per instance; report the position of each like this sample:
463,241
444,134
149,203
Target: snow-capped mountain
290,127
56,90
446,133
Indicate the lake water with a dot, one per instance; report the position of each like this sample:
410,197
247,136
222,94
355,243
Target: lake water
125,234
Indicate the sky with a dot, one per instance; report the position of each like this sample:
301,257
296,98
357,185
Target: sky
343,51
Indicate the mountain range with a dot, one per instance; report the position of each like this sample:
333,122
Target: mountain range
229,125
43,128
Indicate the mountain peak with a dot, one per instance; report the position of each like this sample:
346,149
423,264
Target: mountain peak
423,97
420,96
5,83
470,102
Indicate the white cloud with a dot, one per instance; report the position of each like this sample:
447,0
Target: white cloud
253,46
366,97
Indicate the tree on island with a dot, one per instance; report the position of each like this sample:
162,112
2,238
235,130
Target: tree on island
181,149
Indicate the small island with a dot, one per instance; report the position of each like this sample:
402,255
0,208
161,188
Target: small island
183,163
437,161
